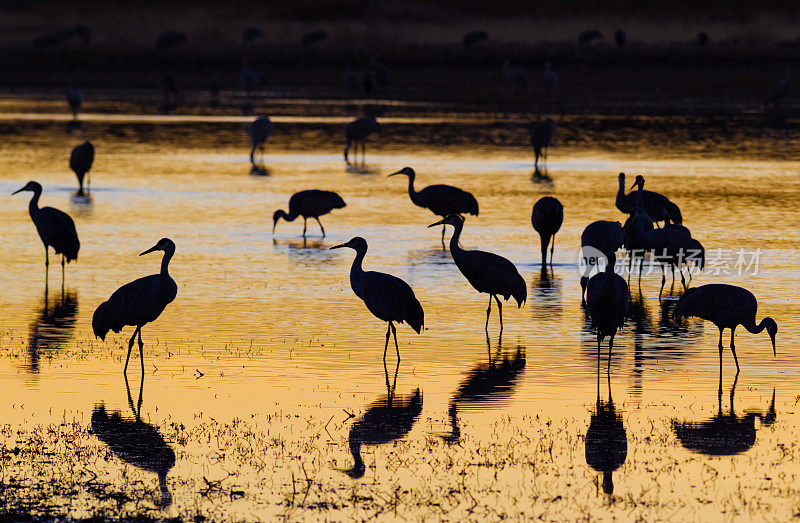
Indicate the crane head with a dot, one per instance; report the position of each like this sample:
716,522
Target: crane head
30,186
408,171
164,244
621,178
639,181
454,219
772,330
358,243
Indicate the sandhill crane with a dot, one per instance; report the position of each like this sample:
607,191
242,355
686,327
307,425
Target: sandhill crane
311,203
777,91
620,38
473,38
357,132
80,161
56,229
441,200
486,272
138,303
259,131
598,238
387,297
516,77
727,307
549,79
542,134
607,298
653,203
74,100
546,218
701,39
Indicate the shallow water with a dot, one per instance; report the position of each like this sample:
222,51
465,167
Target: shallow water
266,338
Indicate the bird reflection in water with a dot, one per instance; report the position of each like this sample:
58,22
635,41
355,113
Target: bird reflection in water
545,294
81,205
136,442
387,419
486,384
606,439
52,327
303,249
723,434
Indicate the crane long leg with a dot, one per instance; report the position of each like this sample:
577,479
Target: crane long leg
252,154
720,352
62,274
46,257
488,311
320,226
500,310
141,350
386,346
683,279
305,224
552,248
443,244
610,347
733,350
663,281
130,347
394,333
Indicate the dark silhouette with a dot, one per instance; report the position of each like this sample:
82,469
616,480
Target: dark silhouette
56,229
138,303
441,200
545,295
170,39
387,419
473,38
80,161
696,254
702,39
546,218
727,307
251,34
53,326
259,131
620,38
387,297
516,77
214,89
777,91
723,434
136,442
542,134
171,93
74,100
60,36
652,202
379,72
356,132
350,80
549,79
586,38
311,203
607,298
486,272
601,236
606,438
313,37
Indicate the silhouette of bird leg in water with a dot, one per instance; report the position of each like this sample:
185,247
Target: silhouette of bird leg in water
138,408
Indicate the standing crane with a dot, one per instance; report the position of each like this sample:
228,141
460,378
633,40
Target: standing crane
357,132
74,100
727,307
546,218
516,77
441,200
653,203
387,297
542,134
56,229
598,238
486,272
607,299
311,203
138,303
80,161
259,130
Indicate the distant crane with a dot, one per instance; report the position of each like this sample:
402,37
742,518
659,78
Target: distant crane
607,299
74,100
542,134
653,202
620,38
441,200
311,203
516,77
250,35
549,79
777,91
387,297
138,303
486,272
473,38
259,131
80,161
601,236
546,218
56,229
727,307
350,80
357,132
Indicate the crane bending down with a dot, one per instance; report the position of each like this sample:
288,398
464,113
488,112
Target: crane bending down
138,303
259,130
602,237
607,299
56,229
357,132
80,161
727,307
387,297
486,272
311,203
441,200
546,218
652,202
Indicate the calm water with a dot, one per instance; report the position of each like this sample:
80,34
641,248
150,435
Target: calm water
267,348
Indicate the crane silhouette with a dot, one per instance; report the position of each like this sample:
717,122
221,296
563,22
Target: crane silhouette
441,200
516,77
777,91
727,307
56,229
486,272
542,134
620,38
598,238
546,218
80,161
653,203
549,79
138,303
75,101
696,253
607,299
387,297
259,130
357,132
606,442
311,203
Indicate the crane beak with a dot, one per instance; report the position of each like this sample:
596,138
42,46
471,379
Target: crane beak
395,174
18,190
151,249
774,352
440,222
634,185
339,246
